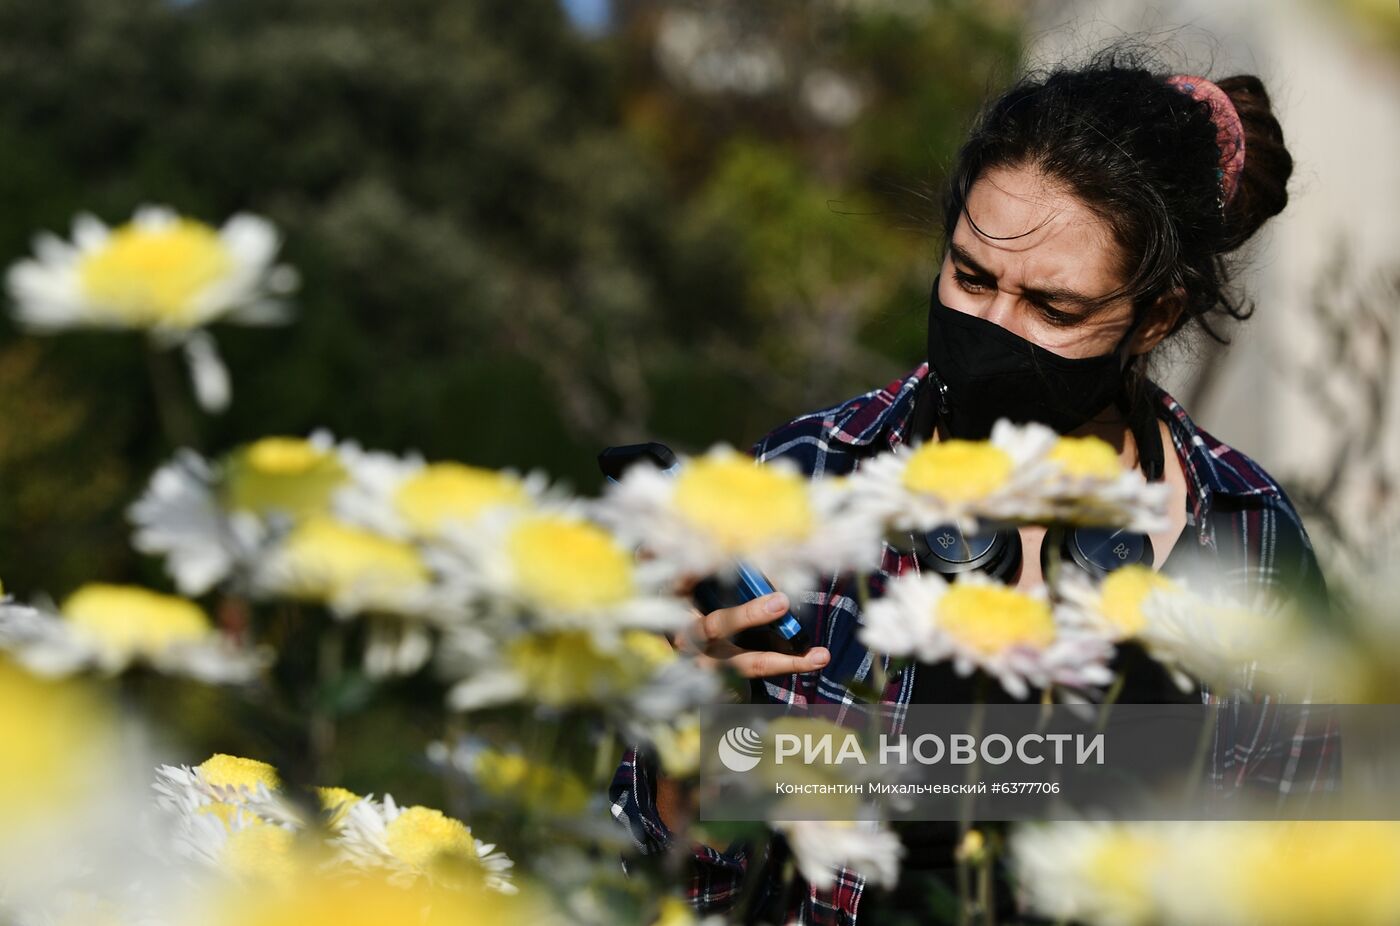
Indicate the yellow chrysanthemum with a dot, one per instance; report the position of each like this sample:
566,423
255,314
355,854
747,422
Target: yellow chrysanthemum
135,620
1122,593
286,474
1086,457
329,561
742,505
1297,874
567,667
336,802
542,788
568,564
326,900
261,852
1120,871
145,276
225,771
54,733
958,470
445,492
990,619
420,836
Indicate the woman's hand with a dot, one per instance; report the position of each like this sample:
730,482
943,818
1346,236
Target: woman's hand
707,636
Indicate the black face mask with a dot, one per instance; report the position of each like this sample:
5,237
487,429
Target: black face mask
980,372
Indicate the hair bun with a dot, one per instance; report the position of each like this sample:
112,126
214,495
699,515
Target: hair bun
1262,190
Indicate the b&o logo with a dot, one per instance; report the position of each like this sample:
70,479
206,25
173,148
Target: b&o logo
740,749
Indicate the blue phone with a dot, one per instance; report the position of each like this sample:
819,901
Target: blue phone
786,634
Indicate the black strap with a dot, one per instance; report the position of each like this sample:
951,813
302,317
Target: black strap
1142,421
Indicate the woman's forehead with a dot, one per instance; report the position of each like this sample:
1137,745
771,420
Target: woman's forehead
1031,234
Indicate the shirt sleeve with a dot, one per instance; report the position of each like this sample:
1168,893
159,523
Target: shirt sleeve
1293,752
714,878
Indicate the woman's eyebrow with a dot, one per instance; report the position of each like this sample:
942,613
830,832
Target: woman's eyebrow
1039,294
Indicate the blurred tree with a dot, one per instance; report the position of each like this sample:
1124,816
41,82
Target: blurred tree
517,243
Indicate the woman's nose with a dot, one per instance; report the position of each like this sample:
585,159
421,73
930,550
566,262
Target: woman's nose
999,310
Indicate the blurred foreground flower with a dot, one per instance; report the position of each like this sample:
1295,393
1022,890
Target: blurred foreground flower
161,273
410,499
724,507
419,842
978,623
111,627
213,521
329,900
1212,873
822,846
635,673
551,569
1022,474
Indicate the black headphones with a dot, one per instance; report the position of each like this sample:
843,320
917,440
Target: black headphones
1098,551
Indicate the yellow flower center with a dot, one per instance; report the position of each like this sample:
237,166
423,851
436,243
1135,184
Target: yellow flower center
135,620
330,561
224,771
1297,874
539,787
445,492
568,668
1122,593
261,852
55,733
568,564
330,899
958,470
1121,870
742,505
990,619
336,802
1086,458
420,835
147,276
286,474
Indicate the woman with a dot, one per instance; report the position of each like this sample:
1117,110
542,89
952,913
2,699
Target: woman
1088,219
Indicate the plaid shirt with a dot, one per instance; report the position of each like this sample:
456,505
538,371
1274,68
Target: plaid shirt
1238,517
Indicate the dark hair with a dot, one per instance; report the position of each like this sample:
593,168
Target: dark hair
1142,155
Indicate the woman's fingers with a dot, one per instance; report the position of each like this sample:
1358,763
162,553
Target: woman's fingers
763,663
724,623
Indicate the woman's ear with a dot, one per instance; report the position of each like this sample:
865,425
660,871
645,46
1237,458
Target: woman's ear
1162,317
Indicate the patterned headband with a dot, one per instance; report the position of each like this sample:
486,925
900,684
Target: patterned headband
1229,132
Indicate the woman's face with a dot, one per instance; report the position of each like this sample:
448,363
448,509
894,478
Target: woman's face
1036,284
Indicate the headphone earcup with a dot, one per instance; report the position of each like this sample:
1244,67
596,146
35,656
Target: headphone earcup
948,552
1098,550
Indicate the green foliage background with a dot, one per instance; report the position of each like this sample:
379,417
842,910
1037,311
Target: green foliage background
518,244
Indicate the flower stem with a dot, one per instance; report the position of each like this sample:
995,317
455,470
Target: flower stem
177,424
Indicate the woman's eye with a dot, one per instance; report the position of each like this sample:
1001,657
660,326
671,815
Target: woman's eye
1056,317
970,284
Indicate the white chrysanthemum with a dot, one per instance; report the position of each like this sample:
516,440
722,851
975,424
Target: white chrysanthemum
724,507
1101,873
110,627
348,568
553,569
415,842
1232,873
635,671
410,499
220,780
161,273
978,623
1023,473
213,521
1116,604
822,846
1224,642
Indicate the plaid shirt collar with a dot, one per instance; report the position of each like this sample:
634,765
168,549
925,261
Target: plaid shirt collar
1212,469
